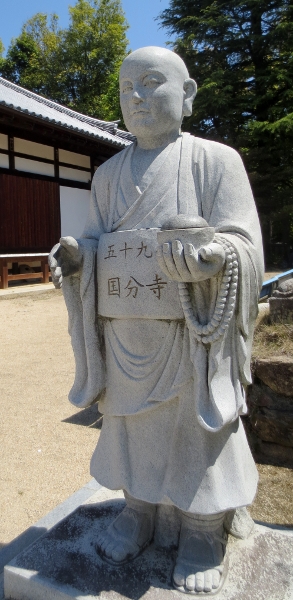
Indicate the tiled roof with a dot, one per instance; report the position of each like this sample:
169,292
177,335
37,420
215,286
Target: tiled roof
26,102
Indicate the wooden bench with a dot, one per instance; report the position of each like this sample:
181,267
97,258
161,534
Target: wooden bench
17,259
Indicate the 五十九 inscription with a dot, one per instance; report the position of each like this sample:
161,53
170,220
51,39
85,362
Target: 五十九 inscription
142,251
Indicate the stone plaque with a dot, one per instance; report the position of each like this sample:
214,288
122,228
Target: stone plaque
130,281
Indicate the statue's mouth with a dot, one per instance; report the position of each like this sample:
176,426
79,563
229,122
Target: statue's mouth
139,112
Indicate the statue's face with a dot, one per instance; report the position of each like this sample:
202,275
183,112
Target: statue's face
151,94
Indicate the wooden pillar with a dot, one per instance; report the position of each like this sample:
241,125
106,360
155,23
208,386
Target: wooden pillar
45,270
3,274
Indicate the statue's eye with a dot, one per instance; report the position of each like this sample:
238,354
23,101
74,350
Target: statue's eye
127,87
151,81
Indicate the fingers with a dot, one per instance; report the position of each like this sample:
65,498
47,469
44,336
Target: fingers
171,259
64,260
192,261
212,252
161,261
53,256
179,260
206,263
56,274
206,253
71,245
166,262
169,262
184,263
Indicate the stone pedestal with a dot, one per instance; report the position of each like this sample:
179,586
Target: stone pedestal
64,564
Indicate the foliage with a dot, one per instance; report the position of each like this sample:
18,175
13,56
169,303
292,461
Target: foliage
77,66
241,54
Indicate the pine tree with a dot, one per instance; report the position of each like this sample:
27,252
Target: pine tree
241,54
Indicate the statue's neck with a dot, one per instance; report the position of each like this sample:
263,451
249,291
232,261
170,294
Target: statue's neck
147,162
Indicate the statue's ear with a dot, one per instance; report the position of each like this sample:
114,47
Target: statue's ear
190,89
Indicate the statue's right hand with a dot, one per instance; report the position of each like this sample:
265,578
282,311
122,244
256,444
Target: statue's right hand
64,259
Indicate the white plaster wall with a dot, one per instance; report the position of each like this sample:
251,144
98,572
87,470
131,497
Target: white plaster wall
74,174
4,161
3,141
74,158
27,147
74,207
33,166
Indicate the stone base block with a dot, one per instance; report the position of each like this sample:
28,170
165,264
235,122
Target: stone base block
281,310
63,564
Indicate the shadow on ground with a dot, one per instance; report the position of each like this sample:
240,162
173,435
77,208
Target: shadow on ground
88,417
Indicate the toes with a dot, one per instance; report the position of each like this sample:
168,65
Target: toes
104,543
179,578
190,583
205,581
101,542
119,553
216,579
199,582
208,581
109,548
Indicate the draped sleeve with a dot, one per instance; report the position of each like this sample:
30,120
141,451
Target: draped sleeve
227,204
81,295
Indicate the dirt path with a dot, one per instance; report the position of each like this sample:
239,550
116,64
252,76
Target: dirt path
44,457
46,443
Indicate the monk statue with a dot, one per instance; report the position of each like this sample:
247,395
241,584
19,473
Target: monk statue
162,293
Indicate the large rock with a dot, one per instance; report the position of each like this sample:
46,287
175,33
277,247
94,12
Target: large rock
276,372
281,310
267,453
269,426
274,426
261,396
271,415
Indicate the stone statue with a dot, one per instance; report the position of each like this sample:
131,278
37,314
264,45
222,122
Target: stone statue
162,294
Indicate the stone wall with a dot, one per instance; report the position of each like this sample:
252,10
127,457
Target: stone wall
269,425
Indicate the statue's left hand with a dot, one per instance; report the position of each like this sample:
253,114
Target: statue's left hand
181,262
64,259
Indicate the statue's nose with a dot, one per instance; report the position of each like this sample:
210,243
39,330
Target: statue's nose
136,97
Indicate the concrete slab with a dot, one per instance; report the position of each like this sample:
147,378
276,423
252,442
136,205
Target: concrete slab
30,535
63,564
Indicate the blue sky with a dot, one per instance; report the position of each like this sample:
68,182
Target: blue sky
140,14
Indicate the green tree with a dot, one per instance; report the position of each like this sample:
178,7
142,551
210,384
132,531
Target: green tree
241,54
93,48
77,66
32,59
2,49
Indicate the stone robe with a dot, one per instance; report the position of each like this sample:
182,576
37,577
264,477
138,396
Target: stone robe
171,432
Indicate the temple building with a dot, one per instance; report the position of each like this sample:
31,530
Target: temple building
48,154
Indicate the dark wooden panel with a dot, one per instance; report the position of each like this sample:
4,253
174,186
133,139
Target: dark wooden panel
29,214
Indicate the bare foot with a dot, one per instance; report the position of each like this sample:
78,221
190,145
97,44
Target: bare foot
200,567
127,536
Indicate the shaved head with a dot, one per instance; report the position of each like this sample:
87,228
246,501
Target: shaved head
157,55
155,94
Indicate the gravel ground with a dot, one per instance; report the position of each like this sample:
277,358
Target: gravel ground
46,443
